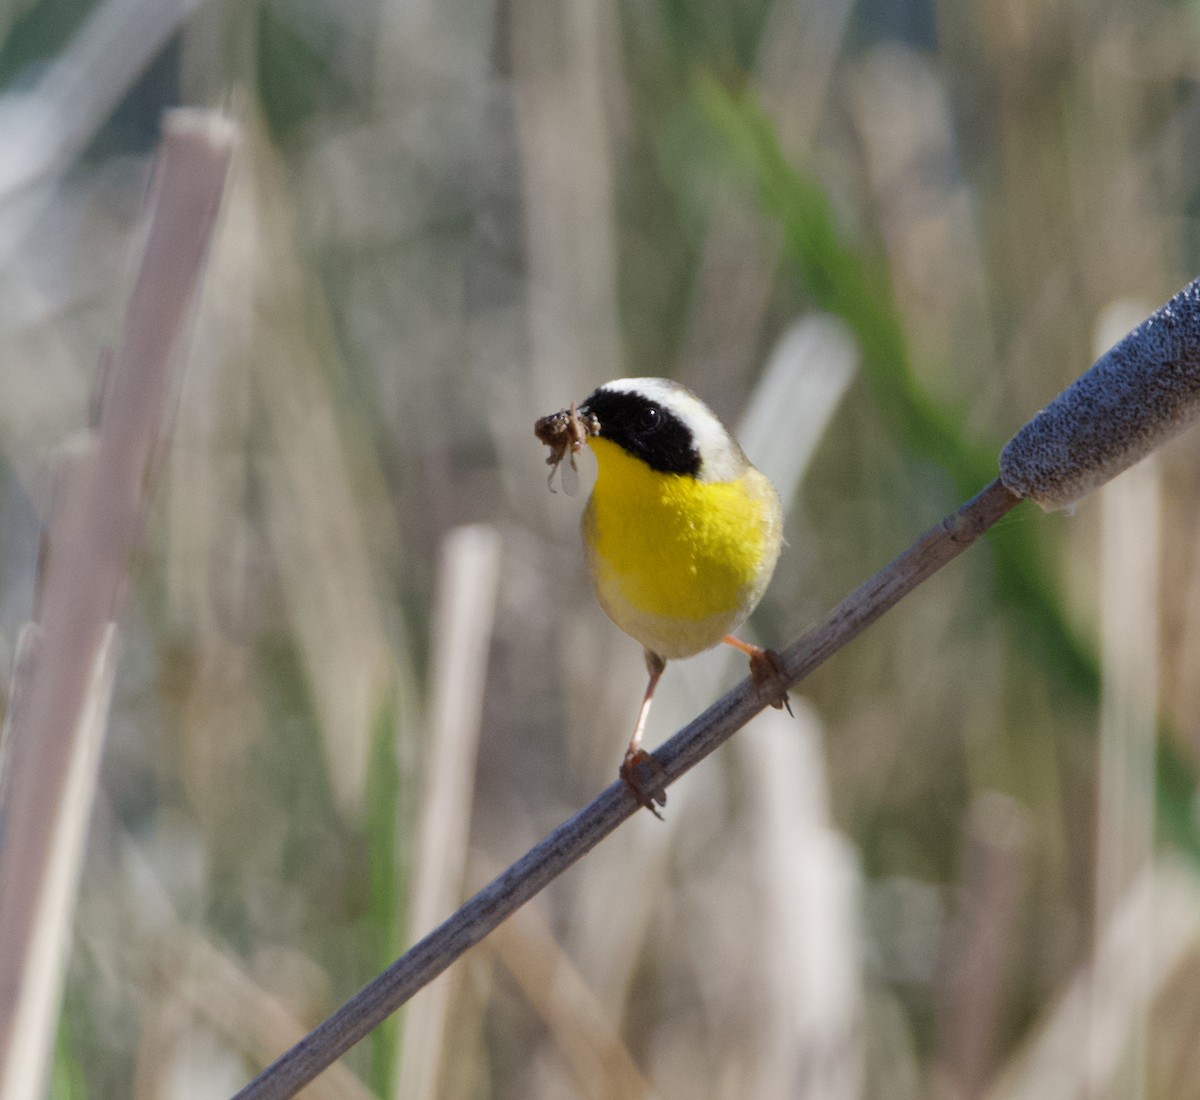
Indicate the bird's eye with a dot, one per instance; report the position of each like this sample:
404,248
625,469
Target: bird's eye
648,419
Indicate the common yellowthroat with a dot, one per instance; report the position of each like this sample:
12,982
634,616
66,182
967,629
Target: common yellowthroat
681,533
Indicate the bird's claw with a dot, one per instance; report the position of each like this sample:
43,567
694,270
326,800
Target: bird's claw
646,779
766,673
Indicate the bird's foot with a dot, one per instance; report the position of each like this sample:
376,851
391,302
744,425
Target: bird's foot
766,673
646,779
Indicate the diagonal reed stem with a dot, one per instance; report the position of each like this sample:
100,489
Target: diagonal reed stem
577,836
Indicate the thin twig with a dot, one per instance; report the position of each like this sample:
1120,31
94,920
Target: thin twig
574,838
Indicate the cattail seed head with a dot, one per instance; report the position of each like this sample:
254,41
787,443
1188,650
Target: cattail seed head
1139,394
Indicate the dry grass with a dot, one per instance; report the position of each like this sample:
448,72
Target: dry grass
920,888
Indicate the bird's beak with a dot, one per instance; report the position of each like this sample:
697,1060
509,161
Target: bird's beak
587,424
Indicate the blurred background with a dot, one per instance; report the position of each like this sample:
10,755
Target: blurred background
362,670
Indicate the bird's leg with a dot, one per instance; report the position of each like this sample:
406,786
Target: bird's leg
766,671
640,772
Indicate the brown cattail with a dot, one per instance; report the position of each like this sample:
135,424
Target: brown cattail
1139,394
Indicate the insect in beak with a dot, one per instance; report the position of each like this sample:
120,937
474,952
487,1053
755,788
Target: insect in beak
565,433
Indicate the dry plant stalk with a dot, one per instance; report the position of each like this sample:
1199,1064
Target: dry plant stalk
1136,397
93,533
468,582
577,836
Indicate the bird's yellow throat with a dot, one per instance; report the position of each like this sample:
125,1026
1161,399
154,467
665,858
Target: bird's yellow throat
674,546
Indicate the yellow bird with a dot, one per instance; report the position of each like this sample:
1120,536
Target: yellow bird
681,533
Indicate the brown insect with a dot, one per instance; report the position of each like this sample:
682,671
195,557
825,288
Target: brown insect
565,433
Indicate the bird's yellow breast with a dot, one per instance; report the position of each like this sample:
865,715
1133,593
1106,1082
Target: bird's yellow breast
678,562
